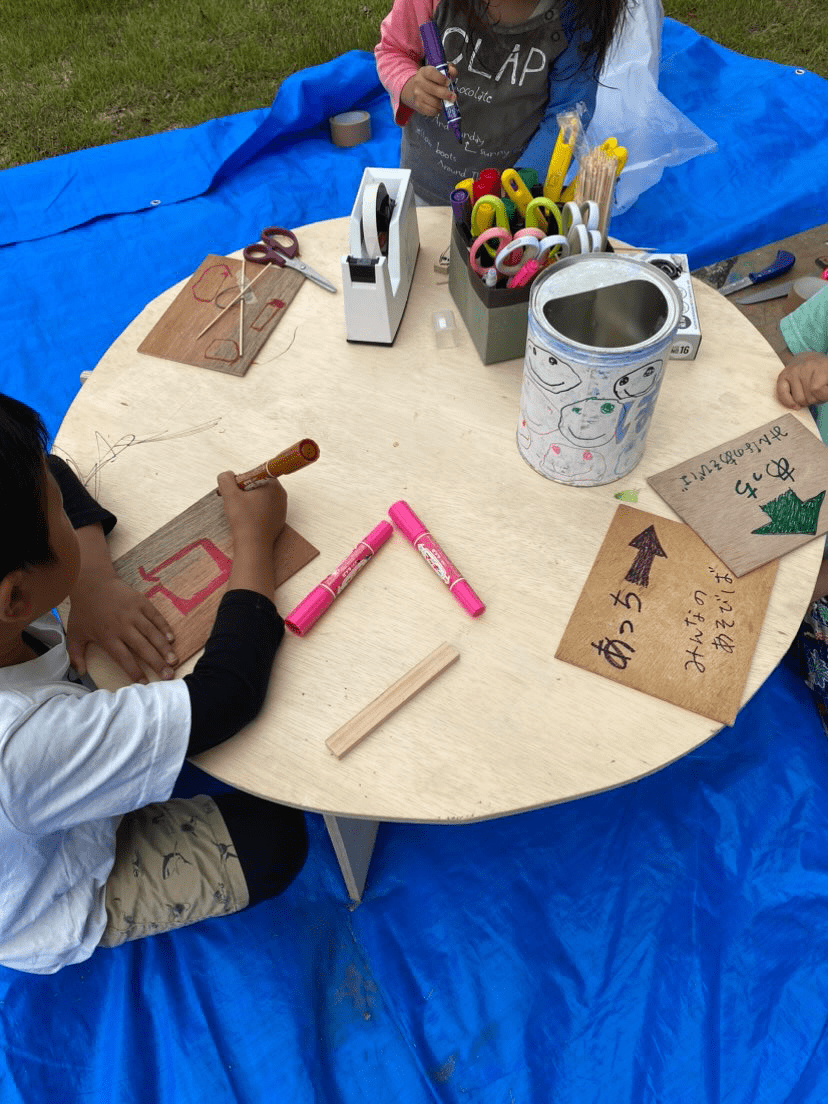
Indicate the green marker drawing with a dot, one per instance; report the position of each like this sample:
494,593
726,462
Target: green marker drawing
789,514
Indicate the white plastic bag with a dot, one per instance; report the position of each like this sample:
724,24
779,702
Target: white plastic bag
630,108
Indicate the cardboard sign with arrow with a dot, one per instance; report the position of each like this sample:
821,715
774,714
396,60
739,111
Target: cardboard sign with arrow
756,497
662,614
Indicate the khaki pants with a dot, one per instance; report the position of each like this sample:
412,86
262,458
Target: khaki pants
174,865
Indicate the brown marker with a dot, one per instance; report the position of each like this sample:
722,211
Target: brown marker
292,459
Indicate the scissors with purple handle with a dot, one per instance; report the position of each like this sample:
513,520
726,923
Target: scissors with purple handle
281,247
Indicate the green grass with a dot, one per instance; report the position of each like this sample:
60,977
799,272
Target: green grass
79,73
792,32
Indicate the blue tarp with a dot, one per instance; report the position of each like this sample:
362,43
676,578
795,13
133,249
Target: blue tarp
662,942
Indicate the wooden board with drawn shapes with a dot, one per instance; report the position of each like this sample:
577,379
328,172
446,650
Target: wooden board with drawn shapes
183,568
661,614
214,285
756,497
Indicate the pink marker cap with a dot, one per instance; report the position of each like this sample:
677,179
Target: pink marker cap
467,598
406,520
309,610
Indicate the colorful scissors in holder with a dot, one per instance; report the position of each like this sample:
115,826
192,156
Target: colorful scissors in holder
489,211
581,224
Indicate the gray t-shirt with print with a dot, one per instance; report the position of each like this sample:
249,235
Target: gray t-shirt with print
502,91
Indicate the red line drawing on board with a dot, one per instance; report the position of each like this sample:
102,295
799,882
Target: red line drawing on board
225,350
212,278
187,605
267,314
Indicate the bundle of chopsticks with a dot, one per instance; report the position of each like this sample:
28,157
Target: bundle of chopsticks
596,180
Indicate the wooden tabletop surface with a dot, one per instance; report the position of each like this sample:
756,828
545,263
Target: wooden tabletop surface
507,727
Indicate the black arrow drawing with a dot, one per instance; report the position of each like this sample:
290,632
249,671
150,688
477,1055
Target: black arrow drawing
649,547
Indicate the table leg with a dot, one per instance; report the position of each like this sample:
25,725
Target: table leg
353,842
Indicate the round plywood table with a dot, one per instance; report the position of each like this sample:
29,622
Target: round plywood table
507,727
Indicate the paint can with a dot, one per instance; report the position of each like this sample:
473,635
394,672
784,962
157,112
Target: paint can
599,334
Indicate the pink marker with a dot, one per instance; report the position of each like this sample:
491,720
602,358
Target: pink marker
311,608
414,531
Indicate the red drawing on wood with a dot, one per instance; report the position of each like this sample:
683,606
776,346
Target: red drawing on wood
267,314
187,605
209,284
225,349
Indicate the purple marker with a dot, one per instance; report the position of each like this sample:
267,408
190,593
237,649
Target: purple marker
435,55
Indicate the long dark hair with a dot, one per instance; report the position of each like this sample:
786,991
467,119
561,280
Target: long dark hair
596,21
604,18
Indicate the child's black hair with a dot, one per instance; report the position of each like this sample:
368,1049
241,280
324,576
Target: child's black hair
599,21
23,441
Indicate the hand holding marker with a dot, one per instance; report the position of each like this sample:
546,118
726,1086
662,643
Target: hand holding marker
435,55
291,459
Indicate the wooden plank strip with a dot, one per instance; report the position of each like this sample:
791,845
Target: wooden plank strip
390,700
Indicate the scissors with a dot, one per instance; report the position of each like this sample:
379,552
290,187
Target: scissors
272,250
489,210
516,190
535,216
548,247
620,153
499,242
580,226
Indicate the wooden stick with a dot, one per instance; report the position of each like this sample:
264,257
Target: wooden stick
372,716
242,289
229,305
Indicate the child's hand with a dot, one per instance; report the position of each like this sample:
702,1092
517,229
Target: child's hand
803,381
425,92
256,518
258,514
106,611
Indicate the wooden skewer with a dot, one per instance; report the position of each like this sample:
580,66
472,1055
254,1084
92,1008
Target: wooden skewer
229,305
242,289
350,734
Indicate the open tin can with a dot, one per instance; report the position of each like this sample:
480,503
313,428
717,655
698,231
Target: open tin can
598,338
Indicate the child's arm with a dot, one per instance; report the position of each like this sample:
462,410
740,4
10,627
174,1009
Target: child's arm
400,54
803,381
228,684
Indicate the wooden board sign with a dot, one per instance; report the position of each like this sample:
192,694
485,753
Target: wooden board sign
756,497
215,284
184,566
660,613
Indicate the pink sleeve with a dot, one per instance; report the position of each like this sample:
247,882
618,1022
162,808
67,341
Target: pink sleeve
399,52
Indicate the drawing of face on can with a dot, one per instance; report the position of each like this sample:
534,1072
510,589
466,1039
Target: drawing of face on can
568,464
599,332
638,381
548,371
590,421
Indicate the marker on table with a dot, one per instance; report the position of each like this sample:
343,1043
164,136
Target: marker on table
311,608
435,55
416,533
298,456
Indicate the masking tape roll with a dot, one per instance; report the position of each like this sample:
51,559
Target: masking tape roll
805,288
350,128
374,197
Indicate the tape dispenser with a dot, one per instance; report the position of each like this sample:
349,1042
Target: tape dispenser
384,241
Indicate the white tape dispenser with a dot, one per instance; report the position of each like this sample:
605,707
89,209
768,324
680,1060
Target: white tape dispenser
384,241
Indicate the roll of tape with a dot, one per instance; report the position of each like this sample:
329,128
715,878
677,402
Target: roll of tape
376,217
350,128
808,286
804,288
